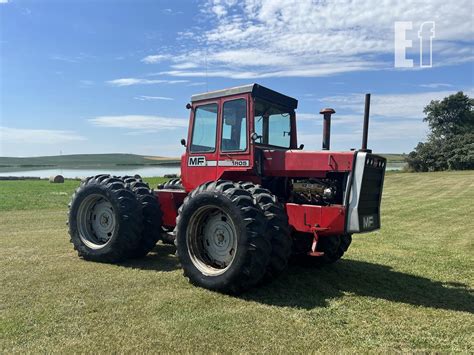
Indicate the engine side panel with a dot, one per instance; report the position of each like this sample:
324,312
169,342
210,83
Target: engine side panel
297,163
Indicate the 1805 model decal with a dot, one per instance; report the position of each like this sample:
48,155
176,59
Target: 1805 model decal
234,163
202,161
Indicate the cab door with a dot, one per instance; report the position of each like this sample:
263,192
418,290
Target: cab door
200,161
234,146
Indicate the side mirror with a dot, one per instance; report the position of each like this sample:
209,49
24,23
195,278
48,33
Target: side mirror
301,147
188,106
183,142
254,136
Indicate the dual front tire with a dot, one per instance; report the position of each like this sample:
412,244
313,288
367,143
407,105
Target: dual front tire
231,236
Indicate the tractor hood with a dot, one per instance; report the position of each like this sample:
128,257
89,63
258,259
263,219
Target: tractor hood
298,163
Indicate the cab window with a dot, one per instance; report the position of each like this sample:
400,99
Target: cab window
234,126
204,130
272,125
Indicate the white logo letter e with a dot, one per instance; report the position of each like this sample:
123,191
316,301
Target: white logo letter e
401,44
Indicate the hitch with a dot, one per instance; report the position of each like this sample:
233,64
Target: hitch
313,251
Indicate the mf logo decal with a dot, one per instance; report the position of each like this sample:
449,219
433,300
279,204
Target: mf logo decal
202,161
368,221
197,161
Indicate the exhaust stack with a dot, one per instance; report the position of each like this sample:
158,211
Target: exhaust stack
365,132
327,112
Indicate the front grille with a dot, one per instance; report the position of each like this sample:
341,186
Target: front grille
371,192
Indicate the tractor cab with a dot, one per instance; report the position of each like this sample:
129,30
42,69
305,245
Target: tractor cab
230,128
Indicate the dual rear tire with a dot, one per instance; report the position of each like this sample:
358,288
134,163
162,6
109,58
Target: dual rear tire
112,219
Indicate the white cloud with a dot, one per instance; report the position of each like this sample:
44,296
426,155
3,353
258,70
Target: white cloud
396,120
278,71
66,59
398,130
3,1
197,83
336,118
184,66
394,105
139,122
435,85
141,81
250,57
302,116
151,98
384,135
81,57
152,59
259,39
185,35
215,73
169,11
37,136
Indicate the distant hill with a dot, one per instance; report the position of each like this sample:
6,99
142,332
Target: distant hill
109,160
85,161
393,158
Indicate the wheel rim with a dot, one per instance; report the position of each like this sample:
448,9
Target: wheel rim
211,240
96,221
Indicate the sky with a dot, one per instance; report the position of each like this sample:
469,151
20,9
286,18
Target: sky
103,76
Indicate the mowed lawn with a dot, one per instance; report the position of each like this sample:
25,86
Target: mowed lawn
406,287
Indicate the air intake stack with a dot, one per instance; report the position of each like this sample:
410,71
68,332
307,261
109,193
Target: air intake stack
365,132
327,112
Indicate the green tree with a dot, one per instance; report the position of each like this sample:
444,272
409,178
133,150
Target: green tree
450,144
451,116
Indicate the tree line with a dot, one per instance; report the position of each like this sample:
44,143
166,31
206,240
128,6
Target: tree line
450,143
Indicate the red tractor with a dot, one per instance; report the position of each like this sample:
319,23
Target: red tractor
249,197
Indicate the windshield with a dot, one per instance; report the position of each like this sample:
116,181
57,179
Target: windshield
272,124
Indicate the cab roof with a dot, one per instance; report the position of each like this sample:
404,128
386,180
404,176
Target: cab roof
256,90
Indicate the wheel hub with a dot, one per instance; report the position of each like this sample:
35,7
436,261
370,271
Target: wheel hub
212,241
96,221
219,239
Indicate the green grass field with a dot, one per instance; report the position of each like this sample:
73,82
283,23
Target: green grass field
406,287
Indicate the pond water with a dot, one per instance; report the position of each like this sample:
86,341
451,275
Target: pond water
145,171
395,166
